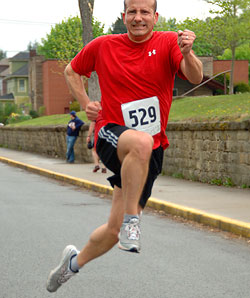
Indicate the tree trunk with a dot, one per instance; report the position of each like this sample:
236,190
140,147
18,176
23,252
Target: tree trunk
231,85
86,10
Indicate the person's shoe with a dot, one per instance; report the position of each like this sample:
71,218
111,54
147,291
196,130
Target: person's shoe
62,272
96,168
104,170
129,236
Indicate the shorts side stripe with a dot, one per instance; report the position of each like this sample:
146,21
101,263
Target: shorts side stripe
108,136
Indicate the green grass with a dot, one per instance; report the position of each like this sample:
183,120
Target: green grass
60,119
211,108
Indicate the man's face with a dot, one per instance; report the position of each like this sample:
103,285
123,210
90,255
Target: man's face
140,19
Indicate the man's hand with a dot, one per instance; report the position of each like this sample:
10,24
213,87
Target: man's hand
92,109
185,41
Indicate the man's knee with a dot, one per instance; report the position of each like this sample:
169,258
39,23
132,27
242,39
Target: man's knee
144,146
137,143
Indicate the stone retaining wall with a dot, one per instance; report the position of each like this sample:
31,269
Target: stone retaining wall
45,140
209,151
200,151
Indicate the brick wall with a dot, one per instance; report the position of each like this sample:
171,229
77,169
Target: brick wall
56,96
198,151
240,69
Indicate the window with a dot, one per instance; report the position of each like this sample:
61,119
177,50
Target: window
21,85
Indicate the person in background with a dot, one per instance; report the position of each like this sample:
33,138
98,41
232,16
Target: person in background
73,129
90,144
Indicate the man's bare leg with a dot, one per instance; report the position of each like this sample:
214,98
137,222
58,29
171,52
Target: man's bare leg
106,236
134,151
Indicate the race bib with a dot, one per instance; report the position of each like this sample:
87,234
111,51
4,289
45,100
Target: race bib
143,115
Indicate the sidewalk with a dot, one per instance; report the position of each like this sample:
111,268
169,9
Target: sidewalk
221,207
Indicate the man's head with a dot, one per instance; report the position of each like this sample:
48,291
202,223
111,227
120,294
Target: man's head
72,114
155,5
139,17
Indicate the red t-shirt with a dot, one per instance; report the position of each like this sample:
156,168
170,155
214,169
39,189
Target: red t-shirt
129,71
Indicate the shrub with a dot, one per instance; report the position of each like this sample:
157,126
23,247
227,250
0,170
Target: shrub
5,111
33,114
75,106
41,111
241,88
15,118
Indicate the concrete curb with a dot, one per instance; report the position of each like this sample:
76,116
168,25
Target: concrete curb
223,223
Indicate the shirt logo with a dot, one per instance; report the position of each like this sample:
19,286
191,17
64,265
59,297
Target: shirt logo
152,53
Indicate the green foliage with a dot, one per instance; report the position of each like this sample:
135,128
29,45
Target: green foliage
225,182
235,25
6,109
178,175
241,53
2,54
33,114
241,88
74,106
41,111
65,39
166,25
216,182
15,118
118,27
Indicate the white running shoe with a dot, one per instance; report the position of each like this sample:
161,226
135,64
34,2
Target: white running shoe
62,272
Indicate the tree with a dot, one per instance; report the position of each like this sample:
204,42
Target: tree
86,9
65,39
118,27
235,26
166,25
2,54
32,45
241,53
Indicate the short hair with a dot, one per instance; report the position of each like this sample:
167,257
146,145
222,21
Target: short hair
155,5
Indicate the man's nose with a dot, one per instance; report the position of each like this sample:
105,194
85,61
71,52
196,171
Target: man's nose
138,17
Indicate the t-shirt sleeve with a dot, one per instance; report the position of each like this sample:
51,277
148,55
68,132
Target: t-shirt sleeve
84,62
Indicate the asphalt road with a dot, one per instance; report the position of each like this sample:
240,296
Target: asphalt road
39,217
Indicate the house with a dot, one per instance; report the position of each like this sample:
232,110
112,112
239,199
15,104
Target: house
211,86
240,69
47,85
4,71
16,80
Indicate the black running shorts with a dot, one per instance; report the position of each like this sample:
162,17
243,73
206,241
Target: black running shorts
106,148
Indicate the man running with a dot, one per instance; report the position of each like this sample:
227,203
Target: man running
136,74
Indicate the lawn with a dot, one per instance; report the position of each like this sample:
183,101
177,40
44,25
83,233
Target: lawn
61,119
211,108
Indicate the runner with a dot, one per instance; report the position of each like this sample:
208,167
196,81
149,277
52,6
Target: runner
136,74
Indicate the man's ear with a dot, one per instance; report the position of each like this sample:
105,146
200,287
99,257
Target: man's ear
123,17
156,17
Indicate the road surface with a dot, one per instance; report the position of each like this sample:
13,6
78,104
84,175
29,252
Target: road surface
39,217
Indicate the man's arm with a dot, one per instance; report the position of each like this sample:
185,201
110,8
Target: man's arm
77,89
190,65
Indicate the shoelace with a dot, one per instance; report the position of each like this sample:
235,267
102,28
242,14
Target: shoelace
66,274
133,230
